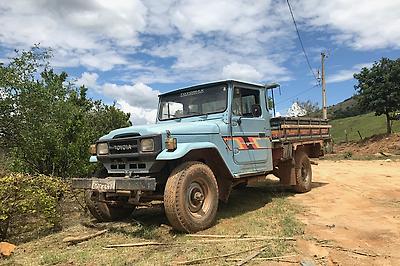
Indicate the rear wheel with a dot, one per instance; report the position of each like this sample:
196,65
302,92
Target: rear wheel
191,197
104,212
303,173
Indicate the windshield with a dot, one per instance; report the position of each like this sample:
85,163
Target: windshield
193,102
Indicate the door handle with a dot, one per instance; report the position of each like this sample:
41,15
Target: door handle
237,121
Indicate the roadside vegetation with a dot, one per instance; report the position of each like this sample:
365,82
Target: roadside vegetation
46,126
47,122
367,124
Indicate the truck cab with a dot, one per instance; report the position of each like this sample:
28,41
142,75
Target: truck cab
207,139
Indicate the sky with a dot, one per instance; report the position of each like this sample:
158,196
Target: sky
131,51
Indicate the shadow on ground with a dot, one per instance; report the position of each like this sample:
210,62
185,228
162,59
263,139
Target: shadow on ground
318,184
146,222
240,201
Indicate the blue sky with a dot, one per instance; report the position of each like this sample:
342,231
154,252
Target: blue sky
130,51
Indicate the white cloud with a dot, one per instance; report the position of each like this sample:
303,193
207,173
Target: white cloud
346,74
139,99
139,115
138,94
360,25
88,79
85,32
241,71
188,40
100,35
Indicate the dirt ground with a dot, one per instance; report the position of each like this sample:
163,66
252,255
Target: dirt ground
354,207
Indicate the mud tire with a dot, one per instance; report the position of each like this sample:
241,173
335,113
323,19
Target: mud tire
104,212
185,187
303,173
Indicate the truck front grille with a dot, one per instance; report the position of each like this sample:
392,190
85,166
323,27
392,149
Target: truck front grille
130,166
123,146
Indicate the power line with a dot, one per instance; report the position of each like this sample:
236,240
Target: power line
301,42
298,94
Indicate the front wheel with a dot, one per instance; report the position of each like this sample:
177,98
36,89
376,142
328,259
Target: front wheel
191,197
104,212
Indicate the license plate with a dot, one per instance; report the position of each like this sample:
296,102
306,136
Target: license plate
103,185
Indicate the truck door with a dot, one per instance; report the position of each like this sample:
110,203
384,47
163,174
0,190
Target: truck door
250,131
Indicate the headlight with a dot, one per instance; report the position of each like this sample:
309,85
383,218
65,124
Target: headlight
147,145
102,148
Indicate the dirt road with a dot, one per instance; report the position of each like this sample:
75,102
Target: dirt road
354,207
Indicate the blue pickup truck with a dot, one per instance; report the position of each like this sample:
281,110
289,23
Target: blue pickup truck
207,140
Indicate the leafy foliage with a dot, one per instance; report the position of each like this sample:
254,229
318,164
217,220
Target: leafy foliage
46,122
310,107
25,197
379,89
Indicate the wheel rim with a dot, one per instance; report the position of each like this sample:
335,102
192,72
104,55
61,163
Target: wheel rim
197,199
305,173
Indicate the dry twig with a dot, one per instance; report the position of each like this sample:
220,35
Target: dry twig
77,239
187,262
351,251
141,244
279,259
242,237
250,257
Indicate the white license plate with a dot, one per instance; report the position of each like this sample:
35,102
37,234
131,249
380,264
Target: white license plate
103,185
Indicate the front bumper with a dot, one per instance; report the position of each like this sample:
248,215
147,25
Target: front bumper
113,184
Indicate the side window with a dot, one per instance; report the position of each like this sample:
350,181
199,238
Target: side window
243,101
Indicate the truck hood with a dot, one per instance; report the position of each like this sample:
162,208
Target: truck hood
178,128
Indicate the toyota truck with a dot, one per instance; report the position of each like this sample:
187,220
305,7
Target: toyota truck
207,140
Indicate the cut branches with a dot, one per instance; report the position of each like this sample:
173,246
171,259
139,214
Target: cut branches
77,239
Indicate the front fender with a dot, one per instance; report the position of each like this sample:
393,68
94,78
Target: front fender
182,149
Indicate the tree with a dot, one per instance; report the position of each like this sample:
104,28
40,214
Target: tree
310,107
379,89
46,122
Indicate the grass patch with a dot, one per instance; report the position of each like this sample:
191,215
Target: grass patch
367,124
252,211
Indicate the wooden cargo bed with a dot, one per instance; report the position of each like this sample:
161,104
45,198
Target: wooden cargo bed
299,129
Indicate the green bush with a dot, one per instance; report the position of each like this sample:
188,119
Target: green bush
47,122
25,198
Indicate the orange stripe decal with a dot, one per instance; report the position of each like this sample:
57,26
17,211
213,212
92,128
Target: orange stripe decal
245,143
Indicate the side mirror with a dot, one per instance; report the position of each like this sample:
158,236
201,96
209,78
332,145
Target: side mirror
256,110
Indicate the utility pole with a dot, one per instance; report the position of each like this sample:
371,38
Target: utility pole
324,108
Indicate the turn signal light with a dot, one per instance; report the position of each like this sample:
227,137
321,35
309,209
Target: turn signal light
170,143
92,149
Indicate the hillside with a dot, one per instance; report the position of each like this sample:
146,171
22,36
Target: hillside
344,109
367,124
